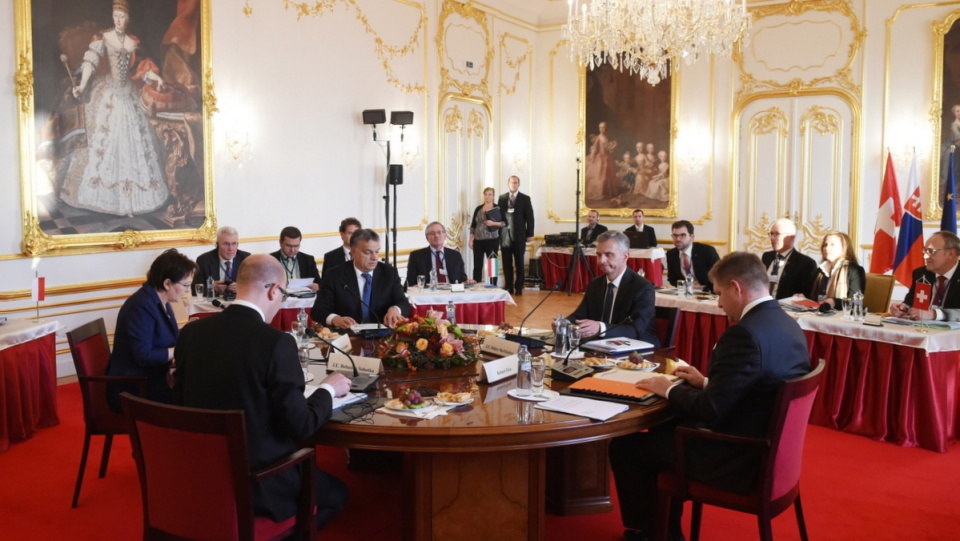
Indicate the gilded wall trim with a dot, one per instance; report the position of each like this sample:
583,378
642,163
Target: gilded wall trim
514,63
824,121
448,82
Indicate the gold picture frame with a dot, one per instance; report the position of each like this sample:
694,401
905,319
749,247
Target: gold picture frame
634,112
92,89
945,121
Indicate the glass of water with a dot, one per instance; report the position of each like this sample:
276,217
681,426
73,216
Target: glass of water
573,337
538,371
681,288
847,309
297,329
421,282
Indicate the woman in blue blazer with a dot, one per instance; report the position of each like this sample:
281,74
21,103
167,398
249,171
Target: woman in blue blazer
146,329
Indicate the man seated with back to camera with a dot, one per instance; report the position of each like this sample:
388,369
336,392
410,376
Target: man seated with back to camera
447,262
762,348
941,253
297,264
364,291
262,365
619,303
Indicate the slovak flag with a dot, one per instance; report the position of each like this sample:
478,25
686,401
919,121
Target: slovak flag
910,244
888,220
922,294
38,289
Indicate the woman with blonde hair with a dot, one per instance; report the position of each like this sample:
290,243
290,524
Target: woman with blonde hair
484,234
839,275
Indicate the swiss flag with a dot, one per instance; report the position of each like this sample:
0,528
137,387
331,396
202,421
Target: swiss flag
888,220
922,295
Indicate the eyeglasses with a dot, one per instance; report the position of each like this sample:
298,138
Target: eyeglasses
283,292
184,284
932,251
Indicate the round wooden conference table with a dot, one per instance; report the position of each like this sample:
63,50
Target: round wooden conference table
478,472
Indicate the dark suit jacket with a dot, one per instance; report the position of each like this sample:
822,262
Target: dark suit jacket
235,361
307,264
651,234
333,259
633,309
144,333
421,263
522,220
796,276
749,361
704,258
340,294
856,281
952,299
208,264
597,231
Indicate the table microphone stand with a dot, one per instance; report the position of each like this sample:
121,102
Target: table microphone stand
577,256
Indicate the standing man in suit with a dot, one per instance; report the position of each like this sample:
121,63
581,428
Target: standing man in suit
621,302
446,261
516,235
688,257
762,348
639,227
590,232
296,263
222,262
341,254
366,291
940,255
790,271
262,367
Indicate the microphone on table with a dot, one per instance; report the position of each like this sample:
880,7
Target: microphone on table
568,372
519,336
358,383
825,308
218,304
626,321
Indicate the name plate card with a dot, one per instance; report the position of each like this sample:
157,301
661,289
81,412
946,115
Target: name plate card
343,342
499,346
456,288
494,371
365,365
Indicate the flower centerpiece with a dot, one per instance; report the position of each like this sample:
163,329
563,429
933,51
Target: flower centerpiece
428,343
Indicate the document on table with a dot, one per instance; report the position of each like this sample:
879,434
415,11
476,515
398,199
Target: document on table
584,407
338,403
299,283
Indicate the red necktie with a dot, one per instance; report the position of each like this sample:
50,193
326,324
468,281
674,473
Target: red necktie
441,277
687,271
941,290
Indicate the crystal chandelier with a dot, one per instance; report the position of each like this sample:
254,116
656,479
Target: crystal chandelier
645,36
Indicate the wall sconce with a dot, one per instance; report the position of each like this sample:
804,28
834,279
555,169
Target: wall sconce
409,154
514,152
907,140
692,149
236,144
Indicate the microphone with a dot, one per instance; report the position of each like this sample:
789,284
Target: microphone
313,334
599,335
825,308
218,304
530,313
359,383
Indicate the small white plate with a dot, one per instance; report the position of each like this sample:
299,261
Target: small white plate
576,355
308,377
547,395
456,404
647,366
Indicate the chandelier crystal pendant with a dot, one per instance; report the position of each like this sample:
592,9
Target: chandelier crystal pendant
646,36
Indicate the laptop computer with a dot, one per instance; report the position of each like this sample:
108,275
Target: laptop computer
638,240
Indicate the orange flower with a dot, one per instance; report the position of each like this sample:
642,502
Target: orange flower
422,344
401,347
446,350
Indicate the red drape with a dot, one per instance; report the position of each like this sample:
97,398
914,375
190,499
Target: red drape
555,265
483,313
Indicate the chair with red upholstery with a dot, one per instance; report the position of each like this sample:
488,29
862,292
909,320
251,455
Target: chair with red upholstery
195,476
778,478
667,321
91,353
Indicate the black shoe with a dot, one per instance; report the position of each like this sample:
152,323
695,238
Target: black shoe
519,292
635,535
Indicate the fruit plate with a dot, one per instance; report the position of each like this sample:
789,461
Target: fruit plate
645,366
397,405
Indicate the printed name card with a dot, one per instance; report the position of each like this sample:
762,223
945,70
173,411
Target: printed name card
499,346
494,371
343,342
456,288
365,365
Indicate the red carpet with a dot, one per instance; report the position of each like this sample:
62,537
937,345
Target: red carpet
853,488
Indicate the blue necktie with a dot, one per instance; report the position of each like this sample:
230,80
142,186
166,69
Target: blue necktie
367,288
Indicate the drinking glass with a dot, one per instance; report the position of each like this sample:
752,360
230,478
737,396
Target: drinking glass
538,371
681,288
847,309
573,337
297,329
198,290
305,362
421,282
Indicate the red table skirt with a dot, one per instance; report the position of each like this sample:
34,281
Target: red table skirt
887,392
476,313
555,266
28,389
697,335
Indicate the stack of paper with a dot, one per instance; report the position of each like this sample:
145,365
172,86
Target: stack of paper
584,407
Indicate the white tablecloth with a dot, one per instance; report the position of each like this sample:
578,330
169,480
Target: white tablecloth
17,331
196,305
647,253
470,296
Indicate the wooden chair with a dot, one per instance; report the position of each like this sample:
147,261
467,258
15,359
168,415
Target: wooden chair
91,353
877,292
195,477
778,478
668,323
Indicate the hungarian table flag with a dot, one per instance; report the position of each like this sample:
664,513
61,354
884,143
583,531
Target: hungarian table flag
493,268
922,294
888,220
910,244
38,289
949,220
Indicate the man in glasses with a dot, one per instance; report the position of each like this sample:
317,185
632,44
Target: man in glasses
447,262
236,360
790,271
222,262
940,255
688,258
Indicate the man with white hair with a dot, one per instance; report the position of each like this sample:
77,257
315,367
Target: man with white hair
790,271
222,262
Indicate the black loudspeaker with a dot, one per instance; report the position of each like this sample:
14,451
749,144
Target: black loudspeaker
374,116
395,176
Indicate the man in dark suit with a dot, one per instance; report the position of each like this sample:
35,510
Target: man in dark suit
688,257
940,255
447,262
296,263
366,291
639,226
790,271
621,302
341,254
236,361
516,235
763,347
222,262
590,232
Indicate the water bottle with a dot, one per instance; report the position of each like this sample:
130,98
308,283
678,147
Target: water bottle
689,285
858,309
302,318
433,280
560,327
210,292
451,312
523,372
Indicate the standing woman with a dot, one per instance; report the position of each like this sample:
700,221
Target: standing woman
147,330
484,234
840,275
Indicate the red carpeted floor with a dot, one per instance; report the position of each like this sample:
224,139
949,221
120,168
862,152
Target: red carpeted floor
853,488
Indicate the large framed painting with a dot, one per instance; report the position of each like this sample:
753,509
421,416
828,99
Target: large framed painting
946,100
115,99
629,127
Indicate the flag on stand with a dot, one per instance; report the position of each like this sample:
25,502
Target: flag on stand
493,268
922,294
38,289
888,220
949,220
910,242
